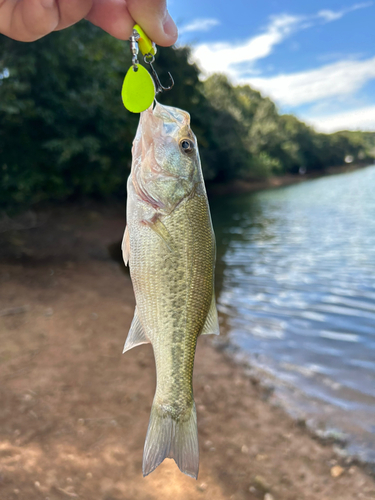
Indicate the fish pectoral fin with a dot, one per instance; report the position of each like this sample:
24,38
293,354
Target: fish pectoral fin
136,335
211,326
125,246
159,228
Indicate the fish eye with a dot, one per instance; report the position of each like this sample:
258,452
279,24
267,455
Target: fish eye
187,145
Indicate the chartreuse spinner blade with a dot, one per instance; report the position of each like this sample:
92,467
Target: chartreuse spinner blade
139,88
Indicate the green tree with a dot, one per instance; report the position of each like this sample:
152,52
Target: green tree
65,133
63,129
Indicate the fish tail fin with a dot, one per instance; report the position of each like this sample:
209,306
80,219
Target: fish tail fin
168,437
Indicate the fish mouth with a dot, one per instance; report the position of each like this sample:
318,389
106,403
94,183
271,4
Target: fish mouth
170,114
164,121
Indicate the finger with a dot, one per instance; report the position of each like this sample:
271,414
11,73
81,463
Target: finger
112,16
153,17
28,20
72,11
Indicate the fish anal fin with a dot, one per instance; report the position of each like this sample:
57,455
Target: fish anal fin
211,326
125,246
136,335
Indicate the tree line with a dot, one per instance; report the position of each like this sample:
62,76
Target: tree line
64,132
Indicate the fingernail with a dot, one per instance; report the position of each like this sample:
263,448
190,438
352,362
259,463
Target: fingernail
169,26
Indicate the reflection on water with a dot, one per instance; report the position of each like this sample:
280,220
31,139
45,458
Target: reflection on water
296,281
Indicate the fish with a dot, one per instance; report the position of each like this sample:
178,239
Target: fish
169,244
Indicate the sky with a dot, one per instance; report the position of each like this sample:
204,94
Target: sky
315,59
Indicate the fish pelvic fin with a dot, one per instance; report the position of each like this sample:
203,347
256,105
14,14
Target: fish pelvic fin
211,325
136,335
171,437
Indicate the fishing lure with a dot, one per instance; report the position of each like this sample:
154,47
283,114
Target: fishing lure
139,87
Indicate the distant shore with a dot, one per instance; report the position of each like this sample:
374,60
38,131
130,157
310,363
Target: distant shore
75,411
242,186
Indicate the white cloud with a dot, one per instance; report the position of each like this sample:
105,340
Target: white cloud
358,119
221,56
331,15
198,25
338,80
225,57
332,80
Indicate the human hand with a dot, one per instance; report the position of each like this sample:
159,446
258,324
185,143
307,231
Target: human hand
28,20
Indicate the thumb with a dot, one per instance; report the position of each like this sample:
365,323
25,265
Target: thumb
155,20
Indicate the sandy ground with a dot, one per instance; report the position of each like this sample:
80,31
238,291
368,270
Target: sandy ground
74,411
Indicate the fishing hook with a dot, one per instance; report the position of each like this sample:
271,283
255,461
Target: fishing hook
149,59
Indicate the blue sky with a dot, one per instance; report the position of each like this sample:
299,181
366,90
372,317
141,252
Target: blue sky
314,59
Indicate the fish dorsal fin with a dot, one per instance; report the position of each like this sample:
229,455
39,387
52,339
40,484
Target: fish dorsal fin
125,246
211,325
136,335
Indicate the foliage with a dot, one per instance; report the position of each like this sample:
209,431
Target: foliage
363,142
64,132
276,144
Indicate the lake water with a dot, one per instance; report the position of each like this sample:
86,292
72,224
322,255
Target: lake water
296,295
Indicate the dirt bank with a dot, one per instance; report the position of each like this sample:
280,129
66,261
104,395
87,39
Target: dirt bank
74,410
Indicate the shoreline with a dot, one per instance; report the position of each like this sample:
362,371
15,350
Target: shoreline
242,186
75,410
331,436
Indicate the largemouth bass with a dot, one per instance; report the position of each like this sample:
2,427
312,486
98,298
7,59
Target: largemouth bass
170,246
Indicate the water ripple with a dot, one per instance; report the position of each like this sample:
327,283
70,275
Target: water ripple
298,291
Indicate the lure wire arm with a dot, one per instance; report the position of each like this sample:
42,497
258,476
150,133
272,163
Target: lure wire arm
149,59
140,42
